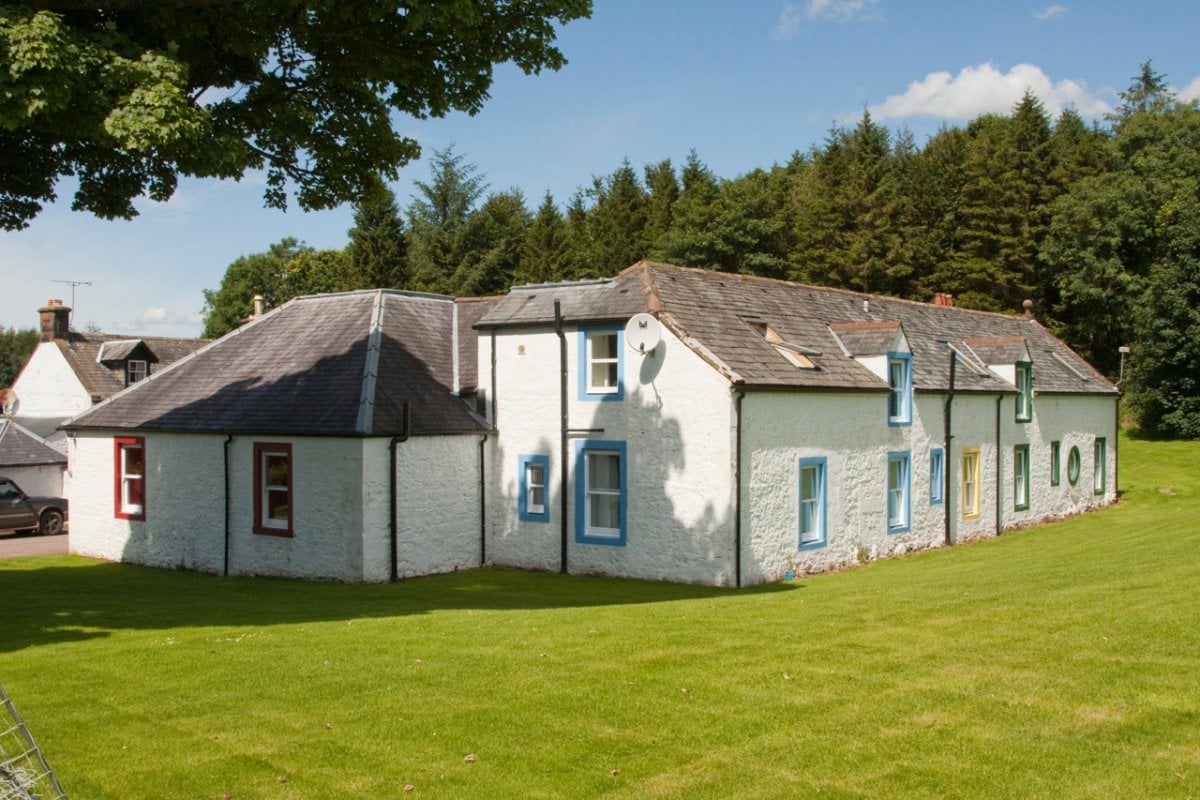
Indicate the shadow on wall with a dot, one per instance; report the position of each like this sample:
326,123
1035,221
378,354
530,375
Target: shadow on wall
71,600
676,519
316,395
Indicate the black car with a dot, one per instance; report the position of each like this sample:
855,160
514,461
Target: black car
19,511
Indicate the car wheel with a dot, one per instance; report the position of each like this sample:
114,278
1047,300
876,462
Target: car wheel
51,523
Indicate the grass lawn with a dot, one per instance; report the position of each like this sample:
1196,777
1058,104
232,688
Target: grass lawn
1057,662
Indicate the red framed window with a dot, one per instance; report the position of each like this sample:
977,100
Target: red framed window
273,488
129,477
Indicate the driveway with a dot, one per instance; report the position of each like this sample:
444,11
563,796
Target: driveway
18,545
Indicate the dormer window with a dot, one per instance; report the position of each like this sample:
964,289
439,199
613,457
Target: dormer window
135,370
1024,382
900,388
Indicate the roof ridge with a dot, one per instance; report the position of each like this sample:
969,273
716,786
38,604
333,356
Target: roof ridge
814,287
366,400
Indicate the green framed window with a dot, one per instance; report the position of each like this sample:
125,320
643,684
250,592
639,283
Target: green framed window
1024,391
1055,462
1100,466
1021,477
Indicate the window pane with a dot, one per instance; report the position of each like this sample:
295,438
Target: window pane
135,492
135,460
277,469
604,472
536,476
604,345
604,375
277,504
537,498
605,511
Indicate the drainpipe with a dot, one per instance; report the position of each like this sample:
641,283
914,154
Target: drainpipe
562,428
947,418
228,534
393,532
482,505
999,468
738,395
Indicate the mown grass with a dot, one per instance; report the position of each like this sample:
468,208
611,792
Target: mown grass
1057,662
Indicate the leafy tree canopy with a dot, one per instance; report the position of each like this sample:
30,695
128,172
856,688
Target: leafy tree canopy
127,96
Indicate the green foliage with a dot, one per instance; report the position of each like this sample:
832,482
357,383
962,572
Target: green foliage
377,251
288,269
128,96
494,242
1056,662
16,346
544,253
438,221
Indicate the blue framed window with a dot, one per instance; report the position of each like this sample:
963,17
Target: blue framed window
937,475
900,385
601,493
601,363
533,503
899,507
1024,391
1021,477
1055,462
812,503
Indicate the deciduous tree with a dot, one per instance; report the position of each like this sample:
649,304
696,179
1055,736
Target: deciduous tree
128,96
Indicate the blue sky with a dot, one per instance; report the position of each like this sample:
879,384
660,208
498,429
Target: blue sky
743,82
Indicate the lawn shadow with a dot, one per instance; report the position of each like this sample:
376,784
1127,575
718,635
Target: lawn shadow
69,599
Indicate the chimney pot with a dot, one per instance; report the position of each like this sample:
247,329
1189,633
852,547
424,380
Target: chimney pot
1028,306
258,305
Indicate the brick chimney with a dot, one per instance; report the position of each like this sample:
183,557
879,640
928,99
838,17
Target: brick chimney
943,299
56,320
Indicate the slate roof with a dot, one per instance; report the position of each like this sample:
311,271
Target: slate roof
22,448
82,351
329,365
716,314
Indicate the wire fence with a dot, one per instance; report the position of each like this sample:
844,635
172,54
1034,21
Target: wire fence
24,773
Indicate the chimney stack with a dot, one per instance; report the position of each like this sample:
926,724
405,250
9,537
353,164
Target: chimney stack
258,305
56,320
943,299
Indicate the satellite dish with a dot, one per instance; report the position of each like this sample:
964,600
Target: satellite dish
643,333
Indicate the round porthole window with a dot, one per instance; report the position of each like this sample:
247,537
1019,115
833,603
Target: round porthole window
1073,465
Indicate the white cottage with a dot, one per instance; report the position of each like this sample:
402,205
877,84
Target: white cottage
745,429
331,438
775,427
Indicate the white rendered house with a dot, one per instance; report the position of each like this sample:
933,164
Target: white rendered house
668,423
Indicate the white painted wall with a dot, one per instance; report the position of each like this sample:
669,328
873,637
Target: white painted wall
184,525
781,428
675,419
43,479
48,387
437,514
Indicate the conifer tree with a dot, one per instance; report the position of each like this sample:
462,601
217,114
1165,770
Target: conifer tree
377,248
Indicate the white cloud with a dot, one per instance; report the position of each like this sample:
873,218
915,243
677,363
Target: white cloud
159,317
788,24
984,89
1190,92
1050,12
843,9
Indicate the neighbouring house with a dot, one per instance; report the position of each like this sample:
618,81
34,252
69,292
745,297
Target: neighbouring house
27,458
70,372
668,423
